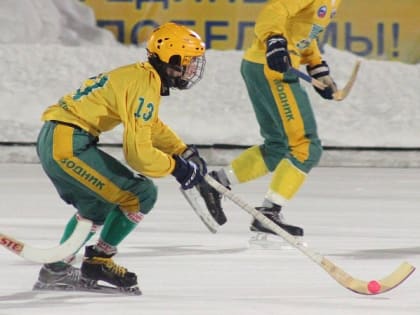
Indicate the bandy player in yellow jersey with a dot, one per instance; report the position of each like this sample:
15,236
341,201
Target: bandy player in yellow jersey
285,36
101,188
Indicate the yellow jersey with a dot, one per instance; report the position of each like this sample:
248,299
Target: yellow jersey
299,21
129,95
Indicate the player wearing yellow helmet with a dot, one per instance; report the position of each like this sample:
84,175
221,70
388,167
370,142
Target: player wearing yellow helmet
100,187
177,54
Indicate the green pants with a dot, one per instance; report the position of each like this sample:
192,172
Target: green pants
86,177
285,117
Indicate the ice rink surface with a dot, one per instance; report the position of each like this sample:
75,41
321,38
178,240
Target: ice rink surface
365,220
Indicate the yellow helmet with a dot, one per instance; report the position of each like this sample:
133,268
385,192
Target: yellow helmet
177,54
171,39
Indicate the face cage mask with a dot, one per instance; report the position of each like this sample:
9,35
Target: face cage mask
191,74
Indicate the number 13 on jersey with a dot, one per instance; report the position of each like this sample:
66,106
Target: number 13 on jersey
143,111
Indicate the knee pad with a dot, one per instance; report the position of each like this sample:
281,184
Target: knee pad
141,197
249,165
317,151
148,198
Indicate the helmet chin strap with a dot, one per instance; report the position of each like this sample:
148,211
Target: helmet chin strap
181,84
161,68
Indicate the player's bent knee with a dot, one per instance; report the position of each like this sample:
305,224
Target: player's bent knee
316,154
142,197
148,199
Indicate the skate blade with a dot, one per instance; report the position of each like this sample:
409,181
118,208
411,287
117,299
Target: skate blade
41,286
109,289
260,240
91,286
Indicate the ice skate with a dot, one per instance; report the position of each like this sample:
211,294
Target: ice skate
213,199
267,239
100,267
261,240
59,276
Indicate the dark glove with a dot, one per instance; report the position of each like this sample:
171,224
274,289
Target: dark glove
278,58
191,154
186,173
321,72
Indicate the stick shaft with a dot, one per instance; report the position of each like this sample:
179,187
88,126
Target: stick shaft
339,95
338,274
307,78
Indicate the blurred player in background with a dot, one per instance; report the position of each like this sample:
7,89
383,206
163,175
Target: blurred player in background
285,36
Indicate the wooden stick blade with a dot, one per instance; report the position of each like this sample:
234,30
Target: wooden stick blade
53,254
342,94
360,286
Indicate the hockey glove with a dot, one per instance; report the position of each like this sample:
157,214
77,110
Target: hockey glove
186,173
191,154
278,58
321,72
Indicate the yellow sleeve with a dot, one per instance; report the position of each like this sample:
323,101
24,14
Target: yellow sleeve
274,16
141,144
141,154
166,139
